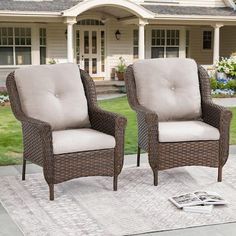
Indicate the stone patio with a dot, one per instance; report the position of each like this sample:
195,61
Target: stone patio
9,228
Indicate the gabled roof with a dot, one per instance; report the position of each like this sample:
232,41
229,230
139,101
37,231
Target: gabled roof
58,6
46,5
183,10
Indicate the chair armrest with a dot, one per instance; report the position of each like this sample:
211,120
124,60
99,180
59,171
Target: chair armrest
37,137
147,129
112,124
149,117
37,124
106,122
215,115
219,117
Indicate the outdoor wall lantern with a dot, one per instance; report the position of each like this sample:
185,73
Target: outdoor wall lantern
118,35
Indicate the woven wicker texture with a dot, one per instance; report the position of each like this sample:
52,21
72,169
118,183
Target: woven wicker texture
170,155
38,148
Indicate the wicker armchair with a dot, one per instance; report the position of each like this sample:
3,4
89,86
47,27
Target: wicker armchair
209,147
59,151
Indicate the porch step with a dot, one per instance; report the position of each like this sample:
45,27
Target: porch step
110,87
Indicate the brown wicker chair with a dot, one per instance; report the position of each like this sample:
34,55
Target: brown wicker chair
57,168
165,155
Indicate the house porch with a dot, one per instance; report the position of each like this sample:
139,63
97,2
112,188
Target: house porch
96,37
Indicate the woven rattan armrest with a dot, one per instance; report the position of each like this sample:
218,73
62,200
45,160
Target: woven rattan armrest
106,122
215,115
148,116
219,117
147,127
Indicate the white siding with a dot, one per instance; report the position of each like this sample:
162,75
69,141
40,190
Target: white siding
228,40
117,48
4,72
201,3
204,57
56,42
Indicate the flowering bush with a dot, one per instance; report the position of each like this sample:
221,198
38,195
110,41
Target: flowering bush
121,67
223,86
4,99
227,66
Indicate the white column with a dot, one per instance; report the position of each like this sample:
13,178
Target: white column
141,44
216,50
35,45
70,51
182,43
70,21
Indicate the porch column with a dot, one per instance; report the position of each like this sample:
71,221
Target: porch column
141,44
182,43
70,21
216,50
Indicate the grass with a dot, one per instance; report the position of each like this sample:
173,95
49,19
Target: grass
11,137
121,106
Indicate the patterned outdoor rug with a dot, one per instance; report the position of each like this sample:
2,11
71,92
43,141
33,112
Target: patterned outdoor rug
88,206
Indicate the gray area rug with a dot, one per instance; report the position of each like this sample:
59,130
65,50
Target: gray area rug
88,206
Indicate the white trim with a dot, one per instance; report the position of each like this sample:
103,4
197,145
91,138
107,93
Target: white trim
212,39
230,3
195,17
30,13
132,7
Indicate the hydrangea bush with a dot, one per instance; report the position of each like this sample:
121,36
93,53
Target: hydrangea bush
227,66
225,82
4,99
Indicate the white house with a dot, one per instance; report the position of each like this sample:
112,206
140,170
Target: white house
95,33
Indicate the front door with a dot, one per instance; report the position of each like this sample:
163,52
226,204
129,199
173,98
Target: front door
90,51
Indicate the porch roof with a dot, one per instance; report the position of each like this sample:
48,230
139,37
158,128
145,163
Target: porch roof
183,10
43,6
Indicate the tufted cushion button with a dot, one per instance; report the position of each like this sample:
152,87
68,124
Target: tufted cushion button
178,77
56,86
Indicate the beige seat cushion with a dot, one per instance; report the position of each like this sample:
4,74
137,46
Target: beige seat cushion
80,140
184,131
169,87
53,93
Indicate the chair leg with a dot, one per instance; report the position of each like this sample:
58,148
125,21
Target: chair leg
155,175
115,182
138,157
220,173
51,192
23,169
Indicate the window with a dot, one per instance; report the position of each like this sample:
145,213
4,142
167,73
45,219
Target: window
135,43
165,43
207,40
15,46
187,43
103,51
78,47
90,22
43,45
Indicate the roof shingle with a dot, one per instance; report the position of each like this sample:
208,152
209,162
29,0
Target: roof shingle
47,6
183,10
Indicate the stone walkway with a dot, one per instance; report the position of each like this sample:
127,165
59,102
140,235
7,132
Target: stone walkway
9,228
110,96
227,102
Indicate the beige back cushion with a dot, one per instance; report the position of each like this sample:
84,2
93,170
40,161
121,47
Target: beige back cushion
169,87
53,93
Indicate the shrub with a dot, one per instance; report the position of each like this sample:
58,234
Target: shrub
227,66
213,83
121,67
231,85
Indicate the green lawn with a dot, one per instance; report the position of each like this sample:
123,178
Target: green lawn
10,131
